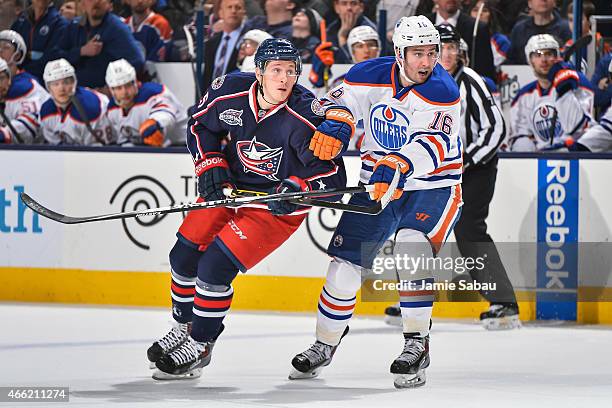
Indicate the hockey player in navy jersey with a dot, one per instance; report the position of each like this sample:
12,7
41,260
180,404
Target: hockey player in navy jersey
21,96
143,113
252,132
411,110
560,97
73,115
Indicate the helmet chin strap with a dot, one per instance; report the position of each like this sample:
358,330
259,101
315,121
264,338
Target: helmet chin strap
263,95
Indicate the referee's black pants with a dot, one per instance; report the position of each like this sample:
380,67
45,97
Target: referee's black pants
471,234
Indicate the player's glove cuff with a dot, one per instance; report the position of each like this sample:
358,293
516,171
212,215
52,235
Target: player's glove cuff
210,160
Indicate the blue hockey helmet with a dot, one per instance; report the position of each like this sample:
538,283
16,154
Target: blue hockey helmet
277,49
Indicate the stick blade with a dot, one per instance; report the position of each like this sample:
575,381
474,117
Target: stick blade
47,213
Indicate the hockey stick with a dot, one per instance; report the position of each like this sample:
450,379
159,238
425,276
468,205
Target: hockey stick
229,202
8,123
474,34
85,119
572,49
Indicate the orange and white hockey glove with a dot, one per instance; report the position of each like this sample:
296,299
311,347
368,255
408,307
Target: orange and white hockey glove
332,137
151,133
384,170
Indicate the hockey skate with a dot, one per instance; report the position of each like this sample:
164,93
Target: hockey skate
311,362
501,316
393,315
173,339
185,362
409,368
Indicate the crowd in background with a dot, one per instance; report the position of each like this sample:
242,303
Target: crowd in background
90,34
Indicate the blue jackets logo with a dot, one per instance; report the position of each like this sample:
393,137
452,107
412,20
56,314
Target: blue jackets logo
389,127
542,122
260,159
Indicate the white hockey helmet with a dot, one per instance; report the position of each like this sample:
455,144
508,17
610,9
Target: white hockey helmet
540,42
58,69
257,36
361,34
414,31
120,72
16,40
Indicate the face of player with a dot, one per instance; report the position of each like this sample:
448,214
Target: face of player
125,94
449,57
232,13
247,48
485,16
345,8
61,90
365,50
541,6
419,62
7,50
542,61
278,78
140,6
5,84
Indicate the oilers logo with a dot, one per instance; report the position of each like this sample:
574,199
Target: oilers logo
389,126
542,123
258,158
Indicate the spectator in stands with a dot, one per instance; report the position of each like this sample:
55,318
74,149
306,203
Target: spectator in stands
221,50
73,115
150,29
20,93
9,11
601,83
143,113
350,15
42,27
543,19
246,50
448,11
95,39
588,9
500,44
70,10
306,32
277,21
396,9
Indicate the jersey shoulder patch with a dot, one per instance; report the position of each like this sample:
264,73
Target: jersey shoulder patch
439,89
527,89
90,102
22,84
377,71
147,91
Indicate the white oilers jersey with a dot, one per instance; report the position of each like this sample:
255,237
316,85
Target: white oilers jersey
420,122
23,102
83,125
598,138
153,101
533,110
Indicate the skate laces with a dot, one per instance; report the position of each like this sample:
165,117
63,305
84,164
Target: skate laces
188,352
318,352
173,338
413,348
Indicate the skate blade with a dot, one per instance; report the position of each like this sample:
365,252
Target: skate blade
191,375
298,375
401,381
503,323
394,320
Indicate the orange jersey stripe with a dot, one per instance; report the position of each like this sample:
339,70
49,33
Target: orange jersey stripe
335,307
212,304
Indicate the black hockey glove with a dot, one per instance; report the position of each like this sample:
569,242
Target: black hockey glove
213,176
289,185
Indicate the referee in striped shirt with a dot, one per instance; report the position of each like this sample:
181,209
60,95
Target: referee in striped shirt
482,131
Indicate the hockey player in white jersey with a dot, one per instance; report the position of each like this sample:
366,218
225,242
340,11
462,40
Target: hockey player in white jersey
73,115
21,96
143,113
411,110
560,97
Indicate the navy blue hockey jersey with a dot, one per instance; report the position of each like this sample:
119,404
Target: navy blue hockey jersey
263,148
